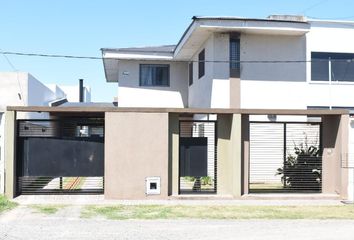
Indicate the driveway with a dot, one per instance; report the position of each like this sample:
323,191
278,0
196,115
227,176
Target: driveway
25,223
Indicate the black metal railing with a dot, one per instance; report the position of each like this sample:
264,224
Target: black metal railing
285,157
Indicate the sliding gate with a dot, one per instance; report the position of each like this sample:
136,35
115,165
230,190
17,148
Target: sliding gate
285,157
60,156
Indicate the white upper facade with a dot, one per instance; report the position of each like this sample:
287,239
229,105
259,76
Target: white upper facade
283,63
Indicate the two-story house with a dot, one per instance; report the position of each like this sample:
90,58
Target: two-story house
280,62
237,108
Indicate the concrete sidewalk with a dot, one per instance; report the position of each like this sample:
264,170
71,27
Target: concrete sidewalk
99,200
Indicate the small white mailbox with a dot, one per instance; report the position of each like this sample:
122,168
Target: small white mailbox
152,185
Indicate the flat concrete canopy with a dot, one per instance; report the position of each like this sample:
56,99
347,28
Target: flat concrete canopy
313,112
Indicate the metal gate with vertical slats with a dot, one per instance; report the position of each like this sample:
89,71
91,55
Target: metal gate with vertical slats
285,157
60,156
197,157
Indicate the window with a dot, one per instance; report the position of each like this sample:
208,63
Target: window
341,64
154,75
190,73
234,57
201,64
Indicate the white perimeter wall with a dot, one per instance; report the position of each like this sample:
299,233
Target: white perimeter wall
130,94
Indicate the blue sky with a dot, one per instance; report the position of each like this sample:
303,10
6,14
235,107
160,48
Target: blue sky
82,27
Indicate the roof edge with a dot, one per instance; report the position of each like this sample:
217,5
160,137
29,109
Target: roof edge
230,18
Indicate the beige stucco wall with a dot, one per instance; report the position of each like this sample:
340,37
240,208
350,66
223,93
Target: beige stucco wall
229,182
335,142
344,172
173,166
136,147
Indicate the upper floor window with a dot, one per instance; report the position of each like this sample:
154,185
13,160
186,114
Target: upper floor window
234,57
332,66
190,73
201,64
155,75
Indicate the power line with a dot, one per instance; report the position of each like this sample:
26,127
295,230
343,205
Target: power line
314,6
9,62
50,55
185,61
20,94
336,18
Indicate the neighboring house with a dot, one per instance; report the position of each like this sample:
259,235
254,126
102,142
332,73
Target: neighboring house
72,91
22,89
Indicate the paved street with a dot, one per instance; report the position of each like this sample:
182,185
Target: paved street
24,223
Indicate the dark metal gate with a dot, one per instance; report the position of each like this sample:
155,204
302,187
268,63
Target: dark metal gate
60,156
197,157
285,157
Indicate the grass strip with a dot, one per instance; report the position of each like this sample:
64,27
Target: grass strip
47,209
125,212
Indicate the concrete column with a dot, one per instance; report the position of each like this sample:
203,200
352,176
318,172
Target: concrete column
229,173
224,160
245,154
236,155
173,172
344,126
335,147
10,154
